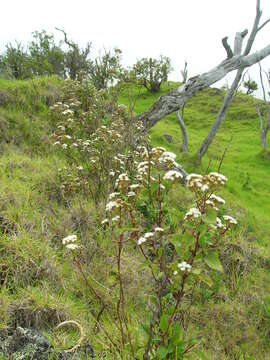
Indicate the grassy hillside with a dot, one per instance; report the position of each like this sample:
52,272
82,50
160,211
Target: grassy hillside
39,288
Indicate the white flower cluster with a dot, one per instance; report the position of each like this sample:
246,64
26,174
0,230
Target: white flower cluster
192,214
217,179
69,242
184,266
168,159
200,183
112,205
172,175
149,235
145,237
217,199
122,182
229,219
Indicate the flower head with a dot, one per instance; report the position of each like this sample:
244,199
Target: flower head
172,175
184,266
69,239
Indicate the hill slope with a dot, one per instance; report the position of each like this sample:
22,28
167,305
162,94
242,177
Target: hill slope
38,286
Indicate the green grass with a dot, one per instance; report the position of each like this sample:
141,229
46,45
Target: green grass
34,269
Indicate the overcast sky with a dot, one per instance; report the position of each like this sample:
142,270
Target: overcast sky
181,29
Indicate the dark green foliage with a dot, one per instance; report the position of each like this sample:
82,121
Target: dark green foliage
250,85
105,69
46,58
151,73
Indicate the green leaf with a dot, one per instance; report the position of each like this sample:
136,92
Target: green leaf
177,332
206,279
163,322
188,237
213,261
211,216
162,352
196,271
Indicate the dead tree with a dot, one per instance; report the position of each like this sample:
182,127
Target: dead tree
264,128
238,43
174,100
180,117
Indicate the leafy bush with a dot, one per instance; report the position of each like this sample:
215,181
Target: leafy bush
151,73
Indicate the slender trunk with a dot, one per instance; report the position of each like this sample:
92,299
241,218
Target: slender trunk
180,118
221,115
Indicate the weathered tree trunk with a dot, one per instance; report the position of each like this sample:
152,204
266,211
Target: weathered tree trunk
180,118
264,129
221,115
173,100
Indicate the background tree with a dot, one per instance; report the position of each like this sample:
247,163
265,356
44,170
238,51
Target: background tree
151,73
77,62
15,61
250,85
46,57
105,69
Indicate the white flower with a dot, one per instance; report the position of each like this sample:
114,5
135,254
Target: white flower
184,266
104,222
72,246
68,136
134,186
159,229
194,213
217,199
204,187
169,155
122,180
172,175
218,177
175,272
111,173
167,158
114,195
80,168
230,219
56,143
69,239
64,146
219,223
194,179
116,218
131,194
148,235
209,202
112,205
141,240
66,112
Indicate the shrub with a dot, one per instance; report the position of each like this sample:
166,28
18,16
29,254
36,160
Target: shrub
151,73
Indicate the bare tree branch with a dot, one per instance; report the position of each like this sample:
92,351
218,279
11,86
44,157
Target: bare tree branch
180,118
174,99
265,23
238,42
227,47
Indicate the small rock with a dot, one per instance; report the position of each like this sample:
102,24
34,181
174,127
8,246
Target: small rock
22,344
168,137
